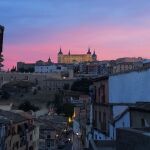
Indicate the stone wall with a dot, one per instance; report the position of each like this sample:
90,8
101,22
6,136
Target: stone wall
33,77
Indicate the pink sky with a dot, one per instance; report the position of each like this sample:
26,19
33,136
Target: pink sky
113,28
109,43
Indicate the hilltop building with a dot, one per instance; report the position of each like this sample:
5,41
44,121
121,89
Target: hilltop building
25,67
48,67
76,58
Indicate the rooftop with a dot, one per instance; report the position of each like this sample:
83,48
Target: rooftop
140,106
7,116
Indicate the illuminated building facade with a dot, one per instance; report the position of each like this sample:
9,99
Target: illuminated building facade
76,58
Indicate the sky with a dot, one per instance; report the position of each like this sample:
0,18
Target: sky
35,29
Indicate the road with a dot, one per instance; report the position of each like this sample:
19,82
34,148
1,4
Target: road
77,144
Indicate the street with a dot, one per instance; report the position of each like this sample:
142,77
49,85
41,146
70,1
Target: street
77,145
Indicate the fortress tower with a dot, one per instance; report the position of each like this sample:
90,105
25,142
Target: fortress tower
76,58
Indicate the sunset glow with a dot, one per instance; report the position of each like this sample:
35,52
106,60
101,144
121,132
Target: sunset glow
36,29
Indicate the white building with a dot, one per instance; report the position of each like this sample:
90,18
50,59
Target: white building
48,67
130,87
123,91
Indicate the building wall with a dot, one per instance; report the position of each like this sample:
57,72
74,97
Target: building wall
76,127
33,77
125,66
140,118
124,122
1,37
47,139
35,140
130,87
17,139
49,69
55,84
22,67
130,119
101,111
101,117
122,67
92,69
74,58
2,136
118,109
101,91
130,139
98,136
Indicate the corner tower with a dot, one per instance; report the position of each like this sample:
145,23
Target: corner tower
94,56
60,56
89,51
89,55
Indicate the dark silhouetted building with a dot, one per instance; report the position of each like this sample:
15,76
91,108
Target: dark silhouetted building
1,38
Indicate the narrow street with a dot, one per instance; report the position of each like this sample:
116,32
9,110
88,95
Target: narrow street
77,145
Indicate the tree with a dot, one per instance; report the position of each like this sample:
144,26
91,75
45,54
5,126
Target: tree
58,103
27,106
1,61
13,69
5,95
68,109
66,86
82,85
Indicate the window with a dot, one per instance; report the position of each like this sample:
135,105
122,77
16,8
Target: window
26,78
94,93
31,137
17,145
48,136
143,122
100,117
99,91
52,143
104,122
95,136
31,148
102,92
95,115
48,144
123,124
96,118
